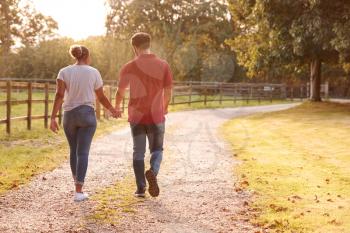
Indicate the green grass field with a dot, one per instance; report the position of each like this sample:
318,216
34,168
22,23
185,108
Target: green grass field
25,153
297,161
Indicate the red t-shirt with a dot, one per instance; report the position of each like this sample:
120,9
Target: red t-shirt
147,76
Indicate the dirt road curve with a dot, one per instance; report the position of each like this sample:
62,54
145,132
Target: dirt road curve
196,183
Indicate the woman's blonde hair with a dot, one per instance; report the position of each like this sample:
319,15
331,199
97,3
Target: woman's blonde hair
79,52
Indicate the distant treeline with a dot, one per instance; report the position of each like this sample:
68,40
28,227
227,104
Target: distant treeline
190,35
229,40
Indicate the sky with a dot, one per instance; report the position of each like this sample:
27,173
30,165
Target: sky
76,18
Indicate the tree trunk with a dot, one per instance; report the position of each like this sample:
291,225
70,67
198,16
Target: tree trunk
315,80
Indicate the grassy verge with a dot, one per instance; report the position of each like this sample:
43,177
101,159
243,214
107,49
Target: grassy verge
297,161
25,154
113,201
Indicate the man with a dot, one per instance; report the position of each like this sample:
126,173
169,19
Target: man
150,82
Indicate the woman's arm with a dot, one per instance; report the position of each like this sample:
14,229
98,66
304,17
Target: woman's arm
105,102
60,89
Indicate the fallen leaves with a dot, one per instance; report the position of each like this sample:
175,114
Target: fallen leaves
278,208
244,184
299,215
294,198
335,222
15,184
316,199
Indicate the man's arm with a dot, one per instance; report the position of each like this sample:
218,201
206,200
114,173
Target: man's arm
119,96
168,92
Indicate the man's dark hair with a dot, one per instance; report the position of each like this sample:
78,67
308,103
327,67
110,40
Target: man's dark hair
141,40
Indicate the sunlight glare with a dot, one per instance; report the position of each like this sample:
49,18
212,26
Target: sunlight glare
76,18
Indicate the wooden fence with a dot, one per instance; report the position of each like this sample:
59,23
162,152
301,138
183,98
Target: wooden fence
184,93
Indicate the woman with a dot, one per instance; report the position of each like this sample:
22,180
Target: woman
76,88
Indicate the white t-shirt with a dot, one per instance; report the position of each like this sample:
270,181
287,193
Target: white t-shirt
81,82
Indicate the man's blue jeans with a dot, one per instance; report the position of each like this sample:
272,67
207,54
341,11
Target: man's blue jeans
155,135
79,126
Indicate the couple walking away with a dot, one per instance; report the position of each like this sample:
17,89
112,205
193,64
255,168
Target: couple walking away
150,81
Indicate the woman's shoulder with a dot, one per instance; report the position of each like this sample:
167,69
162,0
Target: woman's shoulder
66,68
91,68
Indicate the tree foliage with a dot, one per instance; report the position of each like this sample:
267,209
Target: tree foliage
189,33
22,24
282,33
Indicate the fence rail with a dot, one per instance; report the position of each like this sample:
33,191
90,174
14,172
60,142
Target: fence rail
183,93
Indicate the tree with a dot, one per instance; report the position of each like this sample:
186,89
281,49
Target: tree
35,27
8,19
283,32
186,32
24,24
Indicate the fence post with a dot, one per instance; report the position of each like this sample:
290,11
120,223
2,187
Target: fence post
190,94
235,93
29,104
326,91
251,95
46,115
220,100
60,116
111,93
283,91
248,95
8,107
108,95
292,93
98,109
301,92
271,93
205,95
123,104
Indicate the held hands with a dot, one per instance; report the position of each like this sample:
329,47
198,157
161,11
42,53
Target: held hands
116,112
54,126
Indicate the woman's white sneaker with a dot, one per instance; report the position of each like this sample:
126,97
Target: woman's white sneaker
80,197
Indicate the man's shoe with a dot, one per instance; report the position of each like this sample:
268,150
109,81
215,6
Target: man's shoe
140,192
153,188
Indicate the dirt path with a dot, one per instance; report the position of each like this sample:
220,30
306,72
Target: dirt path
196,183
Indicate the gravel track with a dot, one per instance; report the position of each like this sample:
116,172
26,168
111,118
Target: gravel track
196,181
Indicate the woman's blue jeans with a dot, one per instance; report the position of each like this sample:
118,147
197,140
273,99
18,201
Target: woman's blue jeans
79,126
155,135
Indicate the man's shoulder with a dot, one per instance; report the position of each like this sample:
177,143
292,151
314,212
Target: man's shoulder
128,65
163,62
159,59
